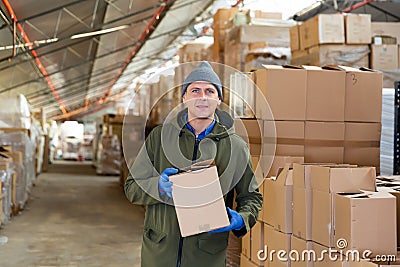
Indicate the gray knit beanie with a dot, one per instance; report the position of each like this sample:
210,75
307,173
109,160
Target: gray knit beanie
203,73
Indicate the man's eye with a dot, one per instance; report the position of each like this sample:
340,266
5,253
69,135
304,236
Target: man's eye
195,91
210,91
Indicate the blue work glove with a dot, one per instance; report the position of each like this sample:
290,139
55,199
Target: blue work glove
236,220
164,184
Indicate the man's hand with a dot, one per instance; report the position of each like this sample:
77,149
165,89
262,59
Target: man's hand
164,184
236,220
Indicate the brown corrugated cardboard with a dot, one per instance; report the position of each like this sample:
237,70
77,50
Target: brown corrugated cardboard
362,144
250,130
302,247
278,197
276,35
325,94
275,240
302,201
289,138
366,221
322,29
294,38
363,95
328,180
198,200
395,191
324,142
343,179
257,242
246,262
261,190
358,28
327,54
386,28
280,161
267,15
384,57
325,257
281,84
362,263
246,245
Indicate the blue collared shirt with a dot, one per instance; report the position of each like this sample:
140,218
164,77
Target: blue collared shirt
204,133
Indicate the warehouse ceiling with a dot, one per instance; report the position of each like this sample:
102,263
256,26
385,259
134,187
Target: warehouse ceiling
69,55
381,11
72,57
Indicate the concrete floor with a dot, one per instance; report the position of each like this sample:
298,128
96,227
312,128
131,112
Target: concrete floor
74,218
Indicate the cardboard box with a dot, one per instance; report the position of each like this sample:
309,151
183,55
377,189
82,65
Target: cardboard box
325,94
284,89
322,29
277,35
246,262
363,263
198,201
222,21
294,38
250,130
366,221
358,28
327,260
275,240
328,54
267,15
325,181
287,139
395,191
280,162
386,28
302,201
324,142
246,245
278,197
257,242
363,95
302,198
305,256
384,57
261,190
362,144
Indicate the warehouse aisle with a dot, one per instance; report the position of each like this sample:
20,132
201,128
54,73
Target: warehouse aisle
74,218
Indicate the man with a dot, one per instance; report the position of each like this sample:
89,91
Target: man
199,132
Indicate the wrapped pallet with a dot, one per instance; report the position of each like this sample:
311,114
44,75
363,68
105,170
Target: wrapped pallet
21,145
17,114
6,190
109,155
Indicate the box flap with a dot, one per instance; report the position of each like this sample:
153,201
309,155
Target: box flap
272,66
307,67
285,175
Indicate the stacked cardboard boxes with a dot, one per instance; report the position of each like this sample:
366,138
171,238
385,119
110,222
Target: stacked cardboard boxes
385,53
222,21
339,212
329,114
252,45
332,39
194,51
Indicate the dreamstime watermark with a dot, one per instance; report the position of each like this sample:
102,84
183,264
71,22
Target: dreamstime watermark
331,254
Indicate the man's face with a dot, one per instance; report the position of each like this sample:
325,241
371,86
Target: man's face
202,99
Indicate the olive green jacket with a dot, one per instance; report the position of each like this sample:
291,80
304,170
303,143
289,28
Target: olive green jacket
173,145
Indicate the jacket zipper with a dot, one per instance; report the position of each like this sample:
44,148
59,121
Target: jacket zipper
196,147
